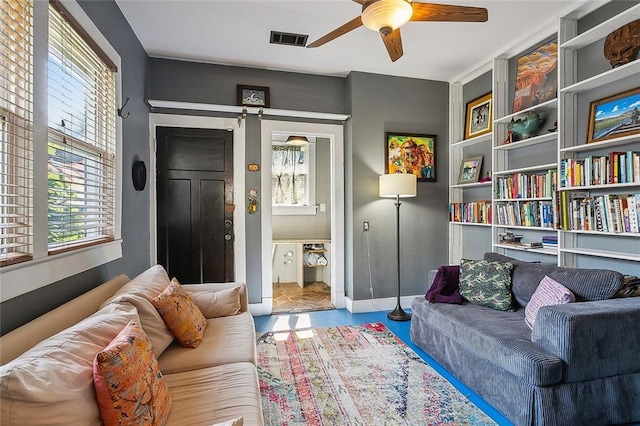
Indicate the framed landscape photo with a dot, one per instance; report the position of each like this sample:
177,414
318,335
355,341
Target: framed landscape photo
536,76
257,96
411,153
479,117
470,169
614,116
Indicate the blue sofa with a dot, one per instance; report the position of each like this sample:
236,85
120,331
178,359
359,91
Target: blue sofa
579,366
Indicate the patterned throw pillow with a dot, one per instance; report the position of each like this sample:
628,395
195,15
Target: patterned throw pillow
129,387
486,283
181,314
549,292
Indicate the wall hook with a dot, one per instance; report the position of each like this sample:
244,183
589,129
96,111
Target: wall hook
124,116
242,117
260,111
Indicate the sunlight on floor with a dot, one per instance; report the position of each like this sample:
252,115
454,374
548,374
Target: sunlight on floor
292,322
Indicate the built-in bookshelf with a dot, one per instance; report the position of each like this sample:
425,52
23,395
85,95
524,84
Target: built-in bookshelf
470,207
599,182
579,199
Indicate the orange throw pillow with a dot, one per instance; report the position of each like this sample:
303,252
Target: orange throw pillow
181,314
129,387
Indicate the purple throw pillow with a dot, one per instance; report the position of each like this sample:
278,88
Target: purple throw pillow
549,292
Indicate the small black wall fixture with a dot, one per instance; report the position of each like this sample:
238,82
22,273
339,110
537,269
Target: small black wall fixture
139,175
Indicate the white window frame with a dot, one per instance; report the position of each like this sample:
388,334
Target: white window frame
310,189
46,269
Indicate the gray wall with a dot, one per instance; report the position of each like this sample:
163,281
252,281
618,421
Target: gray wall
135,205
380,104
377,104
216,84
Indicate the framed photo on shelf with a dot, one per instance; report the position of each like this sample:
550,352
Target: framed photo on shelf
614,116
537,76
479,117
470,170
256,96
411,153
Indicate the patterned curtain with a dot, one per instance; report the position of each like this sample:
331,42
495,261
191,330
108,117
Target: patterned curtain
289,173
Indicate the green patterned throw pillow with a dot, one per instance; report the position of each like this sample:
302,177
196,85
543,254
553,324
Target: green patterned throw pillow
486,283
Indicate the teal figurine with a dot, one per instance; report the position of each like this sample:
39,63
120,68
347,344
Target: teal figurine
524,127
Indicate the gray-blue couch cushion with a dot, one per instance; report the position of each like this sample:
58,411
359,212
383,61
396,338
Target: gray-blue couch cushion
586,284
502,337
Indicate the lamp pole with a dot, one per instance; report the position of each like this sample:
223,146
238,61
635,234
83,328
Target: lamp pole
398,314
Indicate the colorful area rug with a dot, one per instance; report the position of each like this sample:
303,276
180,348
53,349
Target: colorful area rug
354,375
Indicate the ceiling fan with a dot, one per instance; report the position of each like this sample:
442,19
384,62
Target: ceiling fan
387,16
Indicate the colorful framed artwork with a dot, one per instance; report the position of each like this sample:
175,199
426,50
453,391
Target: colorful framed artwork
411,153
470,169
479,117
256,96
614,116
536,76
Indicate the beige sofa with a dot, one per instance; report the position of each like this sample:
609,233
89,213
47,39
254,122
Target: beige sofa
46,373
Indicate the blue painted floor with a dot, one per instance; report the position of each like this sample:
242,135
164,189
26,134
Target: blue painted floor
337,317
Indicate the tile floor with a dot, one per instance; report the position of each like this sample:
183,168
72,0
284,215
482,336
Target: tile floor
335,317
291,298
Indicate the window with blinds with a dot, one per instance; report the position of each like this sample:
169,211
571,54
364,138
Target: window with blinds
16,131
82,137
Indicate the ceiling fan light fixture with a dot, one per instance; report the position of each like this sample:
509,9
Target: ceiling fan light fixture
392,14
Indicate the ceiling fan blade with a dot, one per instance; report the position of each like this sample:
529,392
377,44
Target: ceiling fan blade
393,43
448,13
342,30
359,1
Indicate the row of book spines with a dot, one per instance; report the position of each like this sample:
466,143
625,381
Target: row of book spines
617,167
471,212
527,213
619,213
526,185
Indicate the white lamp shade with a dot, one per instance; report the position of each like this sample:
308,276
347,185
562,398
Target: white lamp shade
386,13
401,185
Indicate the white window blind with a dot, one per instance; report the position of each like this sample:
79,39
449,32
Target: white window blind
16,131
82,138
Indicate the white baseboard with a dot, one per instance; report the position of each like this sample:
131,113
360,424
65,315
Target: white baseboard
372,305
353,306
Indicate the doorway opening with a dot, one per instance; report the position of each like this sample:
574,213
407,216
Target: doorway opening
303,228
301,276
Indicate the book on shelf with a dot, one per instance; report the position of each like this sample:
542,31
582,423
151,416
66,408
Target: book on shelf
633,213
526,185
612,168
615,213
526,213
550,241
471,212
535,244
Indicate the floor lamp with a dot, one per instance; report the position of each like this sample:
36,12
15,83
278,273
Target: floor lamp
399,185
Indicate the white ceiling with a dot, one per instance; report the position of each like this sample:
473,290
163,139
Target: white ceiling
236,32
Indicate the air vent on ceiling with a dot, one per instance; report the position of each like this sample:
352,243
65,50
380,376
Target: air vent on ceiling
289,39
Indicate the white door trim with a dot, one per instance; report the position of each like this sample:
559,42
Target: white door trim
231,124
335,133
